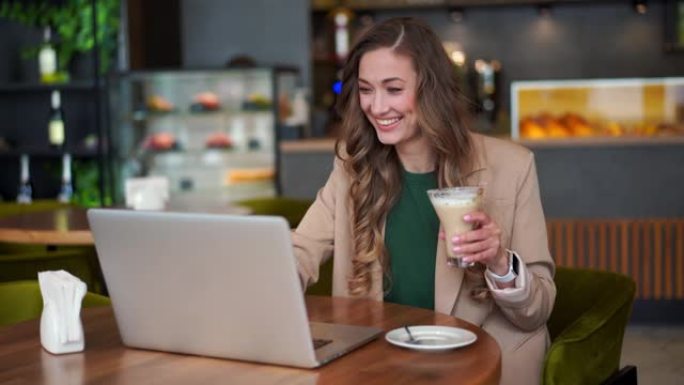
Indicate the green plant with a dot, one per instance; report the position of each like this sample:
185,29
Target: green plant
86,185
72,20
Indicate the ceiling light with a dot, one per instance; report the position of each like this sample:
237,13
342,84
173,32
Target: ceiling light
544,10
456,14
640,7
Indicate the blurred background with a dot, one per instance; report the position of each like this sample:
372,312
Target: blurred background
223,101
229,100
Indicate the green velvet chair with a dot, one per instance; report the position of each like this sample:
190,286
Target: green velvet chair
13,208
324,284
291,209
81,262
587,326
22,300
24,261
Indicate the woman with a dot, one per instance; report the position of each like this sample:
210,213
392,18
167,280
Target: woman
405,131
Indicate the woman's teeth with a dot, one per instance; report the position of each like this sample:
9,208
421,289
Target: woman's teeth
387,122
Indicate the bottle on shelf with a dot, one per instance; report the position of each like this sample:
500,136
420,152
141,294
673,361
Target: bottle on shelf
56,121
25,193
66,191
47,58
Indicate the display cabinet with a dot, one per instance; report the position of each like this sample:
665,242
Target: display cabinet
24,114
597,108
212,133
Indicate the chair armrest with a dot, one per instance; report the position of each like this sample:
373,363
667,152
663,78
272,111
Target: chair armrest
588,351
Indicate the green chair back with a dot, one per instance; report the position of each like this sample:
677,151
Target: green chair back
587,326
13,208
24,261
22,300
82,262
324,284
291,209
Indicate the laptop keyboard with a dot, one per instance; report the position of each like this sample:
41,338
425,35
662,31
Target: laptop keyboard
319,342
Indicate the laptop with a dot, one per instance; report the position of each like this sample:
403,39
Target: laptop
213,285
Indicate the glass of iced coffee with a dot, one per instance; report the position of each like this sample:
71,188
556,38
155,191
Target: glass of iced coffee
451,204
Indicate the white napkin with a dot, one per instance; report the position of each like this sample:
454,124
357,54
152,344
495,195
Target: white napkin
61,330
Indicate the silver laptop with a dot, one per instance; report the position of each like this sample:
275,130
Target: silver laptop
213,285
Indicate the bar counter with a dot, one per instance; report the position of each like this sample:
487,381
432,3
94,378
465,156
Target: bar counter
625,177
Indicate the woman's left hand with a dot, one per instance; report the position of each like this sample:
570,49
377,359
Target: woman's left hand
482,244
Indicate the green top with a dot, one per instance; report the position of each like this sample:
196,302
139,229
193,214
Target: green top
411,241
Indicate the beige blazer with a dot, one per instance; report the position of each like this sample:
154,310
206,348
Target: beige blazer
516,318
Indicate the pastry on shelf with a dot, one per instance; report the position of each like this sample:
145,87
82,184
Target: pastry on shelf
246,175
156,103
552,127
545,125
219,140
161,141
530,129
613,128
256,102
576,125
205,102
671,129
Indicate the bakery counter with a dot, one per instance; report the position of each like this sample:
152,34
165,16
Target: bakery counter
602,141
317,145
579,178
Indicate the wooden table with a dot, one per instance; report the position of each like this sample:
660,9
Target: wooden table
69,225
106,361
63,226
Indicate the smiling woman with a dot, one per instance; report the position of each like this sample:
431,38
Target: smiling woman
387,84
406,131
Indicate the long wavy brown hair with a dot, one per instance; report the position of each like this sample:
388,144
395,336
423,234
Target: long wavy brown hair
374,168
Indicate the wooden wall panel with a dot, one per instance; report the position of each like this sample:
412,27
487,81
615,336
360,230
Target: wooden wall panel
650,251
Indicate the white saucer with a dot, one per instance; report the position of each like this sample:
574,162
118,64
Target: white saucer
431,338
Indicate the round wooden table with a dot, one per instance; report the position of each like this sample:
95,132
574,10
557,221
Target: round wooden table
69,225
106,361
63,226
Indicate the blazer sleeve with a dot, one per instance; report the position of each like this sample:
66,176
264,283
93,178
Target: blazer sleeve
313,240
529,304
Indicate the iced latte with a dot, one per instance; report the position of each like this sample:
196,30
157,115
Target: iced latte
451,204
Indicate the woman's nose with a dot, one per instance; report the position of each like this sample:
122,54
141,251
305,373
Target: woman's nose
378,104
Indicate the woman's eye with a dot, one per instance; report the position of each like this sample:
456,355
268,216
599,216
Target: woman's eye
365,90
393,90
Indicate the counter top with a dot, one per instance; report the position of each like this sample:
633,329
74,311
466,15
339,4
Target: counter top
308,145
602,141
328,144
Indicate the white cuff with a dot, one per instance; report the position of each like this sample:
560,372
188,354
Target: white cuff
514,294
512,273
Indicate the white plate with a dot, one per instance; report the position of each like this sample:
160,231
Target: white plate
431,338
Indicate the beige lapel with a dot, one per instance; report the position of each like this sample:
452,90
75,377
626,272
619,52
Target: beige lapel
449,285
449,280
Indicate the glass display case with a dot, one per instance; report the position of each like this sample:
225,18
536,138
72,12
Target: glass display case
213,134
597,108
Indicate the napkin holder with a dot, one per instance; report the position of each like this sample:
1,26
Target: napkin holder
61,330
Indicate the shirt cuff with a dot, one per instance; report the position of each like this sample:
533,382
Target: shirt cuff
517,293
